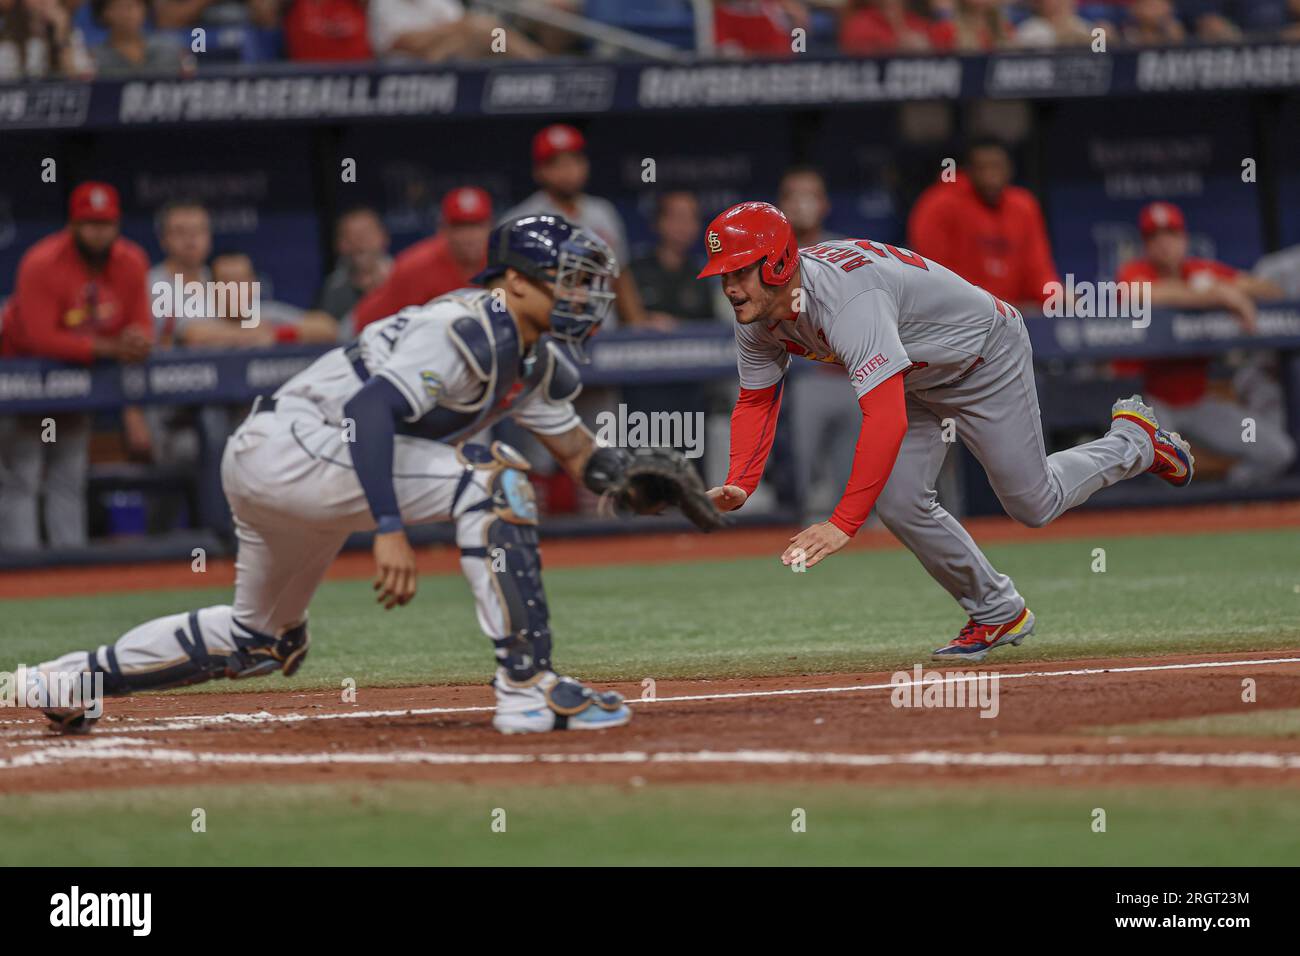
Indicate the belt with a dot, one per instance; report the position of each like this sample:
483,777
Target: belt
264,403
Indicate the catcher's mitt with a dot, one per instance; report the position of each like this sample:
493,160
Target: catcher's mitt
647,480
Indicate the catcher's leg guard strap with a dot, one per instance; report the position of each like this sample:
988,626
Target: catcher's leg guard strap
257,654
568,697
516,569
195,667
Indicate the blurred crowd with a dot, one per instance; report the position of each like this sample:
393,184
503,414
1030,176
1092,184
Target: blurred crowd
88,293
87,38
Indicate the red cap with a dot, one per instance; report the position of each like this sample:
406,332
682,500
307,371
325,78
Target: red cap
466,205
746,233
555,139
1161,215
94,202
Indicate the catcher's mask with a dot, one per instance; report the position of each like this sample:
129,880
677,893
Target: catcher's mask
576,264
584,295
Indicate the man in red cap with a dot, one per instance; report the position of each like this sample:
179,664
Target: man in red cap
435,266
561,170
1177,388
80,295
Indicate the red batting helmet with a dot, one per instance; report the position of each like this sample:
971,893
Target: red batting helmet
747,233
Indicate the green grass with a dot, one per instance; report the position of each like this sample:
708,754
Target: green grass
861,610
443,824
1250,723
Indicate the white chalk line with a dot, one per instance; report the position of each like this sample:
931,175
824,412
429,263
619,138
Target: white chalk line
202,721
113,750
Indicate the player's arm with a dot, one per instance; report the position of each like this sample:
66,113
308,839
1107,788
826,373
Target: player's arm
884,423
572,449
864,334
761,365
753,429
1257,288
374,412
1179,294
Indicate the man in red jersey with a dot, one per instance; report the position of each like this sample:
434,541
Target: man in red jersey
435,266
921,347
80,295
1177,388
985,229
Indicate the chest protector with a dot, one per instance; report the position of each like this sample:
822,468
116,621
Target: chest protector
488,342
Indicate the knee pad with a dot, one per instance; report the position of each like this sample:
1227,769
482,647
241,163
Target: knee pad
516,568
505,471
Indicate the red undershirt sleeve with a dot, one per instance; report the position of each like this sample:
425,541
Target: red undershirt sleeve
884,423
753,428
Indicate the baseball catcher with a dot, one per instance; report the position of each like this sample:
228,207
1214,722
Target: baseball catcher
373,437
921,346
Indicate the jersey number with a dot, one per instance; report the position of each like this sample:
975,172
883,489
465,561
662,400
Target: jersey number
902,255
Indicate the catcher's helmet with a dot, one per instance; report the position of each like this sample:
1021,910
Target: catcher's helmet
579,266
747,233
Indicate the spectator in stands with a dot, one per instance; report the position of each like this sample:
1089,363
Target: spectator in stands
79,296
666,277
38,40
885,26
443,263
757,27
127,48
802,196
822,404
1055,23
240,301
1292,30
985,229
975,26
561,169
437,30
363,263
1178,388
1153,23
183,14
184,232
324,31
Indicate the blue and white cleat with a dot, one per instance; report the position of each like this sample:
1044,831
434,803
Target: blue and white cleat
549,702
1172,461
975,641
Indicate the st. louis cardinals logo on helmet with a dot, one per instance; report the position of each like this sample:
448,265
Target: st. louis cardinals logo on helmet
751,232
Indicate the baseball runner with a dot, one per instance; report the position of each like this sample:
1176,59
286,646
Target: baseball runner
920,345
366,438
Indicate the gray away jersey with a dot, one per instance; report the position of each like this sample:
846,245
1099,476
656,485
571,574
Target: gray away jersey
415,351
876,310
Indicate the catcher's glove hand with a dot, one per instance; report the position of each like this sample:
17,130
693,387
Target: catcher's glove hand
647,480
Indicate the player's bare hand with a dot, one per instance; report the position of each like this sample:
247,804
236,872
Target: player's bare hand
395,570
727,497
815,543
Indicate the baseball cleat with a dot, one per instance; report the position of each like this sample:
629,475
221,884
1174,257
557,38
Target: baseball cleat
975,640
1173,461
69,720
549,702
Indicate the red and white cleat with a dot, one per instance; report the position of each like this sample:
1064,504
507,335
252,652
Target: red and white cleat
976,640
1173,461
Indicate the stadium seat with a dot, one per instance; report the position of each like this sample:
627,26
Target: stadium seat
670,21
